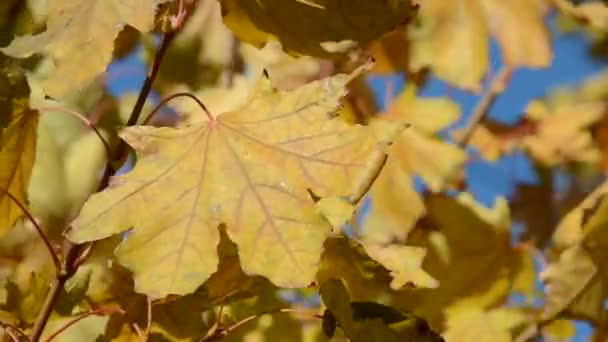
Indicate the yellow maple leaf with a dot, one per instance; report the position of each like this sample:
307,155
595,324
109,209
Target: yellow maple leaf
250,169
319,28
465,323
415,152
561,134
452,38
17,141
80,37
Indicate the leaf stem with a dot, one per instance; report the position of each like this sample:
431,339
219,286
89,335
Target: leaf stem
43,236
173,96
98,312
494,89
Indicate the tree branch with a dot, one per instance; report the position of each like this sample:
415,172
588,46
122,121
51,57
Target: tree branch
11,330
72,251
220,333
173,96
98,312
495,88
43,236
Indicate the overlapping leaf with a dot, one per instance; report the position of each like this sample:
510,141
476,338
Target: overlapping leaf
416,152
17,141
369,321
453,37
314,27
466,324
80,37
561,135
577,283
249,169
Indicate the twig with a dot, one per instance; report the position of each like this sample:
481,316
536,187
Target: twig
529,332
495,88
97,312
11,329
223,332
173,96
86,121
73,251
149,317
31,218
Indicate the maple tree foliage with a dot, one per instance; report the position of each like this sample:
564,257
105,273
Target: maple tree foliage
268,196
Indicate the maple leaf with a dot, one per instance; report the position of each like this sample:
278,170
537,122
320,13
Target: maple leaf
413,153
249,169
465,323
80,37
17,141
453,37
561,134
370,321
577,282
318,28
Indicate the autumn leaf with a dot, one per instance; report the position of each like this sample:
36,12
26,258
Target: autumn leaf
561,135
17,141
80,37
370,321
87,329
318,28
414,153
465,323
453,38
249,169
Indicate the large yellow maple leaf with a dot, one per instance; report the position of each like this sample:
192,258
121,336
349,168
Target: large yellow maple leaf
17,141
80,37
250,169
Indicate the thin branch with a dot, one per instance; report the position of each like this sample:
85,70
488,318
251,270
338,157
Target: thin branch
43,236
147,86
11,330
70,253
176,95
11,334
527,334
149,317
140,334
86,121
73,251
220,333
495,88
84,255
97,312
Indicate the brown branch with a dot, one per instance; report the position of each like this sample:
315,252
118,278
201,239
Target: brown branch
97,312
11,330
43,236
220,333
494,89
73,251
